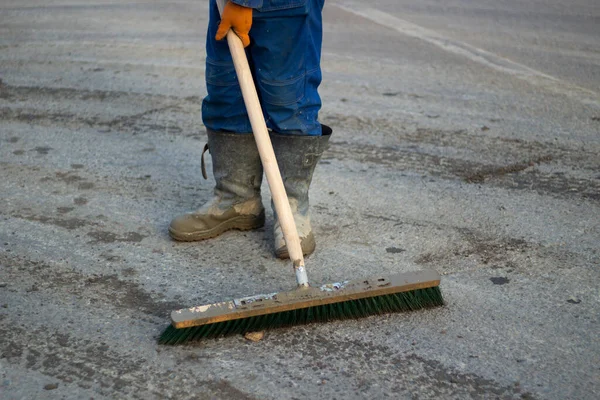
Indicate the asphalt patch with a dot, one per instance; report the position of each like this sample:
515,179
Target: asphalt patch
499,280
111,237
394,250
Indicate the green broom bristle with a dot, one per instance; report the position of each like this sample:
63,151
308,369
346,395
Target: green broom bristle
396,302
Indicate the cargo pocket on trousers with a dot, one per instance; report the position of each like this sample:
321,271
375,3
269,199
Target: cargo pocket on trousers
222,84
282,8
220,73
283,93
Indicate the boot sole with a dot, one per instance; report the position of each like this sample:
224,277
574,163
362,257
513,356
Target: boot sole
308,245
240,223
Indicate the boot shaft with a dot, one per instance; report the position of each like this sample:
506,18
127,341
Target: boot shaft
297,158
237,168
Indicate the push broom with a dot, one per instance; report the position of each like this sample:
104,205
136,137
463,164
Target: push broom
304,304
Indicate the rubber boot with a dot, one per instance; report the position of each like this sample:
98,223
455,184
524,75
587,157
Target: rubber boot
237,202
297,157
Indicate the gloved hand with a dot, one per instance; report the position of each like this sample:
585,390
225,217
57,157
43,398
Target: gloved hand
237,18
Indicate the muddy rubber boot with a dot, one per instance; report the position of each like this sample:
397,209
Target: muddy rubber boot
236,203
297,157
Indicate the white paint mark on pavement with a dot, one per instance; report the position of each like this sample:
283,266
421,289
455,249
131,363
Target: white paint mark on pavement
476,54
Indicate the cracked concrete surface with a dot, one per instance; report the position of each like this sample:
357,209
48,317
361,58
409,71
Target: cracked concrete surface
439,160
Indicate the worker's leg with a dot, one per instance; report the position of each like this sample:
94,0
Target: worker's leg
237,169
286,54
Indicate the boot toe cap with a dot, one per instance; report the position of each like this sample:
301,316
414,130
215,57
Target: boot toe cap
307,243
185,225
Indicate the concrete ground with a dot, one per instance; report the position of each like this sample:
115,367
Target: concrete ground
466,140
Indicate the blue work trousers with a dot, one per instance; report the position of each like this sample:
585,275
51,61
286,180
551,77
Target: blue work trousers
285,57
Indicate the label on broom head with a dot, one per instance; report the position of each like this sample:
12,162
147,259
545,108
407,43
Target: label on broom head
244,301
332,287
205,308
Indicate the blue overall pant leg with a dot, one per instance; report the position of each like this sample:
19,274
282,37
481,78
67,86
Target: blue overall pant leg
284,55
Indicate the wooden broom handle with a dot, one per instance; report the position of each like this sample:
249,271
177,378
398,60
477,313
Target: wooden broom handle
267,156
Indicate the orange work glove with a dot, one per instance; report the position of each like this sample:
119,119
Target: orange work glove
237,17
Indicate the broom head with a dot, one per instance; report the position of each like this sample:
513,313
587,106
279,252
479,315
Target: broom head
354,299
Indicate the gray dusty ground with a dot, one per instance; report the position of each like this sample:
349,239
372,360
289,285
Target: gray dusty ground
466,140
